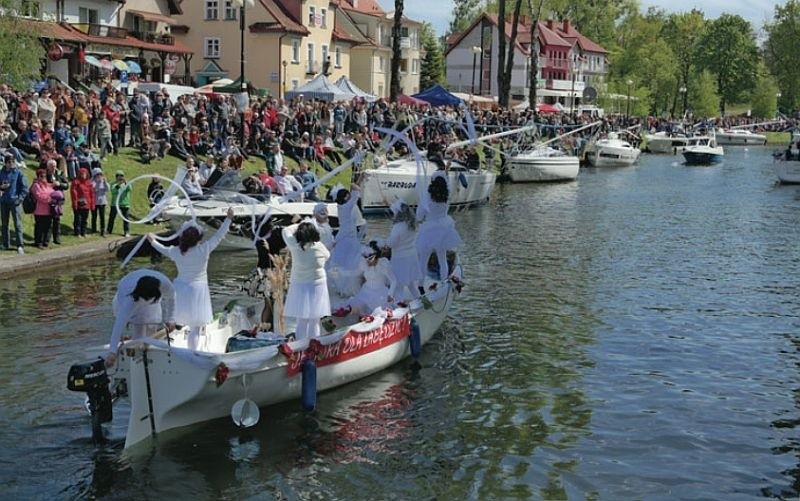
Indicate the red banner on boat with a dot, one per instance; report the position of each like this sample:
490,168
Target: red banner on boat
352,345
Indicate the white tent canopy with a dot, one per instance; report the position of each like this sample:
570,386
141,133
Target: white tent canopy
347,85
320,88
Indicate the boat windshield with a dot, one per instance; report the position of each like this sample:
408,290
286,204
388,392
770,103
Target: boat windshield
230,181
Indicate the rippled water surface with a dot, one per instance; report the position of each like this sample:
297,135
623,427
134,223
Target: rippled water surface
633,334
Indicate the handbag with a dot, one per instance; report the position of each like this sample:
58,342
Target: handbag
28,204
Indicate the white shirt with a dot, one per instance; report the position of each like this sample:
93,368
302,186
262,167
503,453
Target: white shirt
126,310
287,184
308,265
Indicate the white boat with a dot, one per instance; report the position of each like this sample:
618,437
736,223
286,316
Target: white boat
787,165
397,180
664,142
739,137
171,387
542,163
702,150
612,152
248,210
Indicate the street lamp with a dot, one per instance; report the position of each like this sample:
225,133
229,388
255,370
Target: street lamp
285,63
778,101
475,51
574,69
242,4
628,104
683,90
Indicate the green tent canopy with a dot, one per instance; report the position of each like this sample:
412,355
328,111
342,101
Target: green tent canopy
235,88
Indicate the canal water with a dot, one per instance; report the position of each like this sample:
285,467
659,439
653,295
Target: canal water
630,335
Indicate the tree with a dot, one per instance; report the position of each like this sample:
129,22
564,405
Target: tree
533,77
394,86
763,102
505,62
21,52
728,50
681,32
432,69
782,52
464,12
704,99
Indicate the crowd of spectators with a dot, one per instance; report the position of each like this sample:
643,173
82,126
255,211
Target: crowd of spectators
66,131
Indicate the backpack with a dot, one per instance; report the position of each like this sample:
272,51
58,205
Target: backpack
28,203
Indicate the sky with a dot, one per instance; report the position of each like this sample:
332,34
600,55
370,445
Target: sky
438,12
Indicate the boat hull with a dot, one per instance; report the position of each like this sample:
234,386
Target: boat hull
788,172
382,186
169,389
533,169
740,139
613,157
701,158
665,144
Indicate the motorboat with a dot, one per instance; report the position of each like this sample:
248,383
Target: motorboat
209,211
542,163
170,386
787,165
398,180
702,150
739,137
612,152
665,142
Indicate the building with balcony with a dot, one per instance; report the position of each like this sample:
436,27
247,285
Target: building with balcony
371,62
92,41
567,61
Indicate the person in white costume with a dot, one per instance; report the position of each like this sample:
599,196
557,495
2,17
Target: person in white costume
138,303
191,285
323,225
346,256
405,261
307,299
437,234
379,282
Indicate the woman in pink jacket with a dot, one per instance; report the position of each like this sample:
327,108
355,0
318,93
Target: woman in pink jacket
41,190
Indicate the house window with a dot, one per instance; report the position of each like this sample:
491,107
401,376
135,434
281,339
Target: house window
404,31
415,66
211,48
325,53
312,14
212,10
380,65
87,16
230,11
295,83
310,67
338,57
404,66
414,39
295,51
31,9
324,15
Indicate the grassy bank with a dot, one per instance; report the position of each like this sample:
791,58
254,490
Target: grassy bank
779,138
128,162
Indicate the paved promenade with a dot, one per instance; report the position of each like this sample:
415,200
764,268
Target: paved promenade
13,264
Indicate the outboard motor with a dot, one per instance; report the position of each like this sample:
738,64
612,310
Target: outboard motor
91,378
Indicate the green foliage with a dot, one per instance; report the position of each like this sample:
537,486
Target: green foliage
782,52
728,50
20,49
763,102
464,12
703,98
432,67
681,32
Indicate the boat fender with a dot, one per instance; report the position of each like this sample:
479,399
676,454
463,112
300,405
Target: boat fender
308,397
463,179
414,339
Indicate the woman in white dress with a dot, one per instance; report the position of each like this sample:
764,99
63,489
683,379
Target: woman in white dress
307,299
138,302
437,234
405,261
346,255
323,225
191,285
379,282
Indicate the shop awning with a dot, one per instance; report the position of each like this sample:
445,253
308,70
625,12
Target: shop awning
153,16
